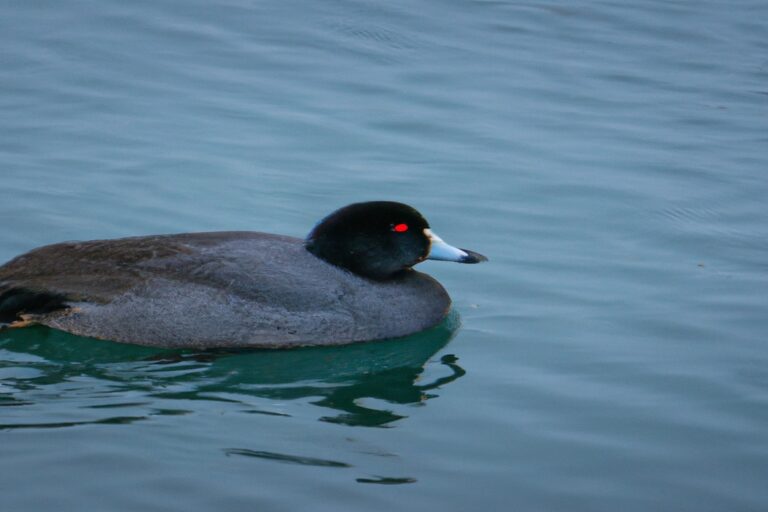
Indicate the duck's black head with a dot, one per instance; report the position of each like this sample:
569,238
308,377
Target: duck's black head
380,239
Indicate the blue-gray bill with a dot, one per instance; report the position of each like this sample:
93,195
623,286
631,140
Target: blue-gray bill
439,250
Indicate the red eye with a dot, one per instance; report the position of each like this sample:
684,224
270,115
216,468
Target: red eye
400,228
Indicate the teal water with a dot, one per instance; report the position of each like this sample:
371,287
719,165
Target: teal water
610,158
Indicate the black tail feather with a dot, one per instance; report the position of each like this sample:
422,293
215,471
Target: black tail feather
18,301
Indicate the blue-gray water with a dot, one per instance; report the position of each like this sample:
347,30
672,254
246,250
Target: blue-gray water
609,157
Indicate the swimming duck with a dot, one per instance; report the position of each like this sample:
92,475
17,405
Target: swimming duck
350,280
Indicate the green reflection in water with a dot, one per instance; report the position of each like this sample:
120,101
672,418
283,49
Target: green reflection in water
342,379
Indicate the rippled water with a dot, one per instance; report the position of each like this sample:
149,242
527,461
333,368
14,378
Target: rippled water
609,157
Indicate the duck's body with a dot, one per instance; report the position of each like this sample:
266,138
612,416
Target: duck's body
218,290
223,289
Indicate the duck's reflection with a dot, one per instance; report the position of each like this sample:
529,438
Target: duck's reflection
359,383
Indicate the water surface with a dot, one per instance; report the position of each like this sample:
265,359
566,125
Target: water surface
609,157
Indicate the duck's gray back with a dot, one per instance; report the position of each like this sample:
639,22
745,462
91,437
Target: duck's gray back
220,290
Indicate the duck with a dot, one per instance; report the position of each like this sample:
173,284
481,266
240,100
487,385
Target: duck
350,280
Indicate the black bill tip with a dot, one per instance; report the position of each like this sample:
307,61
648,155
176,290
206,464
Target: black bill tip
472,257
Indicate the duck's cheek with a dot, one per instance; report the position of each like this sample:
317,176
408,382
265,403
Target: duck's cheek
421,247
